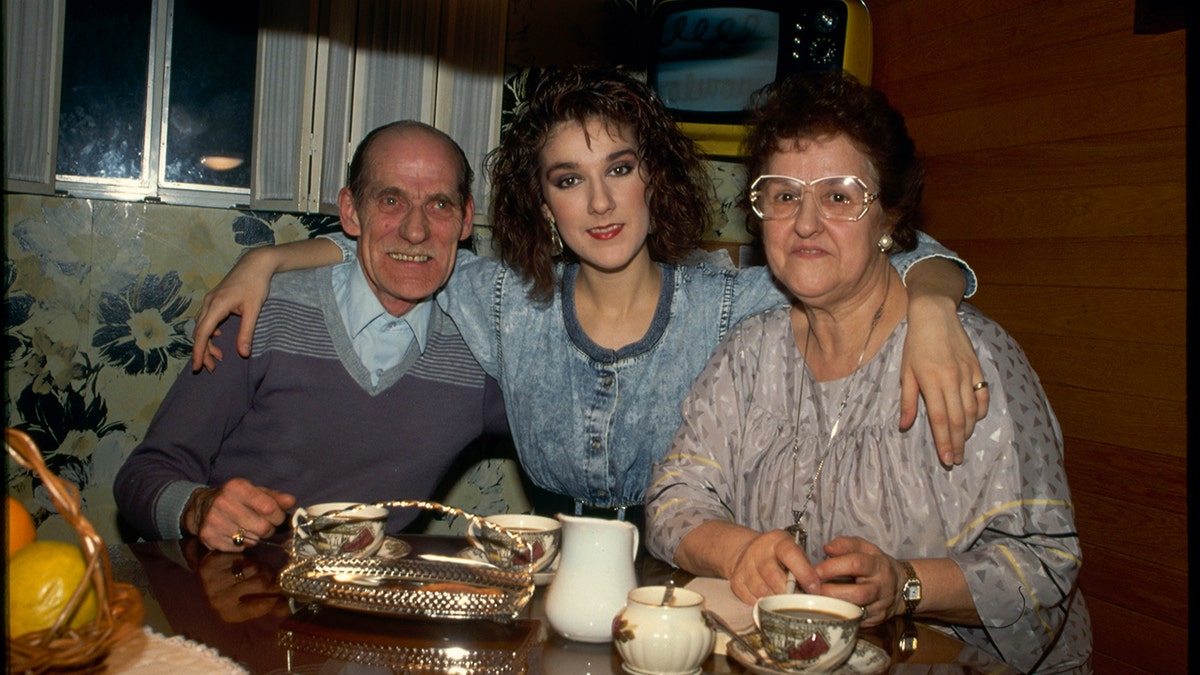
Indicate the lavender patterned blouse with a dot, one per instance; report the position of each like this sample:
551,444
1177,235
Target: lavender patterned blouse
1005,515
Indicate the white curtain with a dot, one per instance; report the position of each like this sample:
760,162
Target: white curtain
33,33
372,62
284,89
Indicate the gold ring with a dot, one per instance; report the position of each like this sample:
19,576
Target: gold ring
238,574
980,385
240,537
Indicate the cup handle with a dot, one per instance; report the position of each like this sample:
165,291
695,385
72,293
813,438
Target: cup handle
473,528
300,521
635,542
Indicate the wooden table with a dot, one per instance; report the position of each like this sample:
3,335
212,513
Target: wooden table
231,603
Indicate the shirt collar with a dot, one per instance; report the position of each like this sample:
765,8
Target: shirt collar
359,306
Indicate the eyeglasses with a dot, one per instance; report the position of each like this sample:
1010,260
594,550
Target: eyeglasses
837,197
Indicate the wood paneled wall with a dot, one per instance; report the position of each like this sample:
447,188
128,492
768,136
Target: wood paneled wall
1055,143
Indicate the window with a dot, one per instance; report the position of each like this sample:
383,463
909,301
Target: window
102,116
224,103
210,93
156,96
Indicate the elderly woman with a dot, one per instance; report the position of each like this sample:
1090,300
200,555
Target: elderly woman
789,463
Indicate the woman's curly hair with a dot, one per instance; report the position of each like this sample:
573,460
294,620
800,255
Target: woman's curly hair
677,190
806,107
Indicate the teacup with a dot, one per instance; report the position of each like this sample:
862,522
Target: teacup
542,536
347,529
808,632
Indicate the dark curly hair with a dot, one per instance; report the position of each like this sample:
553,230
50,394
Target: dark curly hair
807,107
677,183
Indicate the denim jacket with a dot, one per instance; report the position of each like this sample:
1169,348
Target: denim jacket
590,422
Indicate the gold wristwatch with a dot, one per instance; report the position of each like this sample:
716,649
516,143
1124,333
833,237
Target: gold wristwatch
911,592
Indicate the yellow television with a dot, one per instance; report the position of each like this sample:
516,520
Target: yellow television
707,57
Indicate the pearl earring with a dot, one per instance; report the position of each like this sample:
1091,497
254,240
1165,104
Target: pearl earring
885,243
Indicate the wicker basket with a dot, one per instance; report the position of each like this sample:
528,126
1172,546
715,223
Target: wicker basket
119,610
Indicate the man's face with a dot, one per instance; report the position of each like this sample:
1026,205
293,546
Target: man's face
409,217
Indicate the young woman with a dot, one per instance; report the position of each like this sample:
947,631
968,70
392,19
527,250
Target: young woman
591,320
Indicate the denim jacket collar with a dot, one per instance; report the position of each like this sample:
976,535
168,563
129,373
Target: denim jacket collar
662,314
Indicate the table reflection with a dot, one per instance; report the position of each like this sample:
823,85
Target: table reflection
232,603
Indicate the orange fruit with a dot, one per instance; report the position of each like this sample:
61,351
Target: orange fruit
41,579
21,531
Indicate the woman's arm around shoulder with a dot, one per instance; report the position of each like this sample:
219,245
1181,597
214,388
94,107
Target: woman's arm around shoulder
474,297
244,290
939,362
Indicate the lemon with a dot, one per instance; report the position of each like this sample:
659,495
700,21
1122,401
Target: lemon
41,579
21,531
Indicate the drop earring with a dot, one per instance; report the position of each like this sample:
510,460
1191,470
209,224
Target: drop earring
556,245
885,243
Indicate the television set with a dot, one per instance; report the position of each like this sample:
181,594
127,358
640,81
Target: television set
707,57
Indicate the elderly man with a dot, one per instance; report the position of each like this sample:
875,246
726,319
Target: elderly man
359,387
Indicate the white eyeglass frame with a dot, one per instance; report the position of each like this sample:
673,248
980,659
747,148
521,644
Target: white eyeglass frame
807,187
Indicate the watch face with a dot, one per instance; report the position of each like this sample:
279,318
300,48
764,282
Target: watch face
912,591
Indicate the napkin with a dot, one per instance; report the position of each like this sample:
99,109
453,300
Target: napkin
720,600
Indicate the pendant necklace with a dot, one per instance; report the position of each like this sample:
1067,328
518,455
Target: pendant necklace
796,529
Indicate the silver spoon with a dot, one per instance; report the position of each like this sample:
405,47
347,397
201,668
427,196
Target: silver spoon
759,658
250,542
668,593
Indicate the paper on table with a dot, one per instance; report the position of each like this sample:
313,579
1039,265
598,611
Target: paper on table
719,599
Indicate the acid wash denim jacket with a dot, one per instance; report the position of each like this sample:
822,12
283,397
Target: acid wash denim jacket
590,422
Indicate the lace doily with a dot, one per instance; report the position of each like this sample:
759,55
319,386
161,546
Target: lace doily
154,654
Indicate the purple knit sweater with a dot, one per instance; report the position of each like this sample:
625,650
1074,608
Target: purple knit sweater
301,415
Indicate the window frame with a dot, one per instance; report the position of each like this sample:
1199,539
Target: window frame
347,51
152,186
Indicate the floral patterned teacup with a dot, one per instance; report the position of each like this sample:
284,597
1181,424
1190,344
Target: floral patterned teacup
808,632
345,529
542,536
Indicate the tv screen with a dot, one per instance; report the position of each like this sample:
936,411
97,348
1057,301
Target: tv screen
707,58
710,60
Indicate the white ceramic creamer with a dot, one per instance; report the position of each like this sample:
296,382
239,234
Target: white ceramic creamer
595,573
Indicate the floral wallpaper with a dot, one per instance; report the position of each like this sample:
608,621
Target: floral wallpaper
99,298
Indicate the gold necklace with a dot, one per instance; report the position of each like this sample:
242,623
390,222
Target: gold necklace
799,534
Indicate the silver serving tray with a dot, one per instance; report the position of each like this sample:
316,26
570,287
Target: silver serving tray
441,588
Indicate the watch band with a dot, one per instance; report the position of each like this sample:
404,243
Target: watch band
911,591
907,642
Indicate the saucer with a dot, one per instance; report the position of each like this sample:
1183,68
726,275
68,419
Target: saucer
539,578
392,548
634,671
866,659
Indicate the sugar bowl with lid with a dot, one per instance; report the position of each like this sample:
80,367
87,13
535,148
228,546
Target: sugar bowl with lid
661,633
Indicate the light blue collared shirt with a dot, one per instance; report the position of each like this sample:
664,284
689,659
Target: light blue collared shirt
380,339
